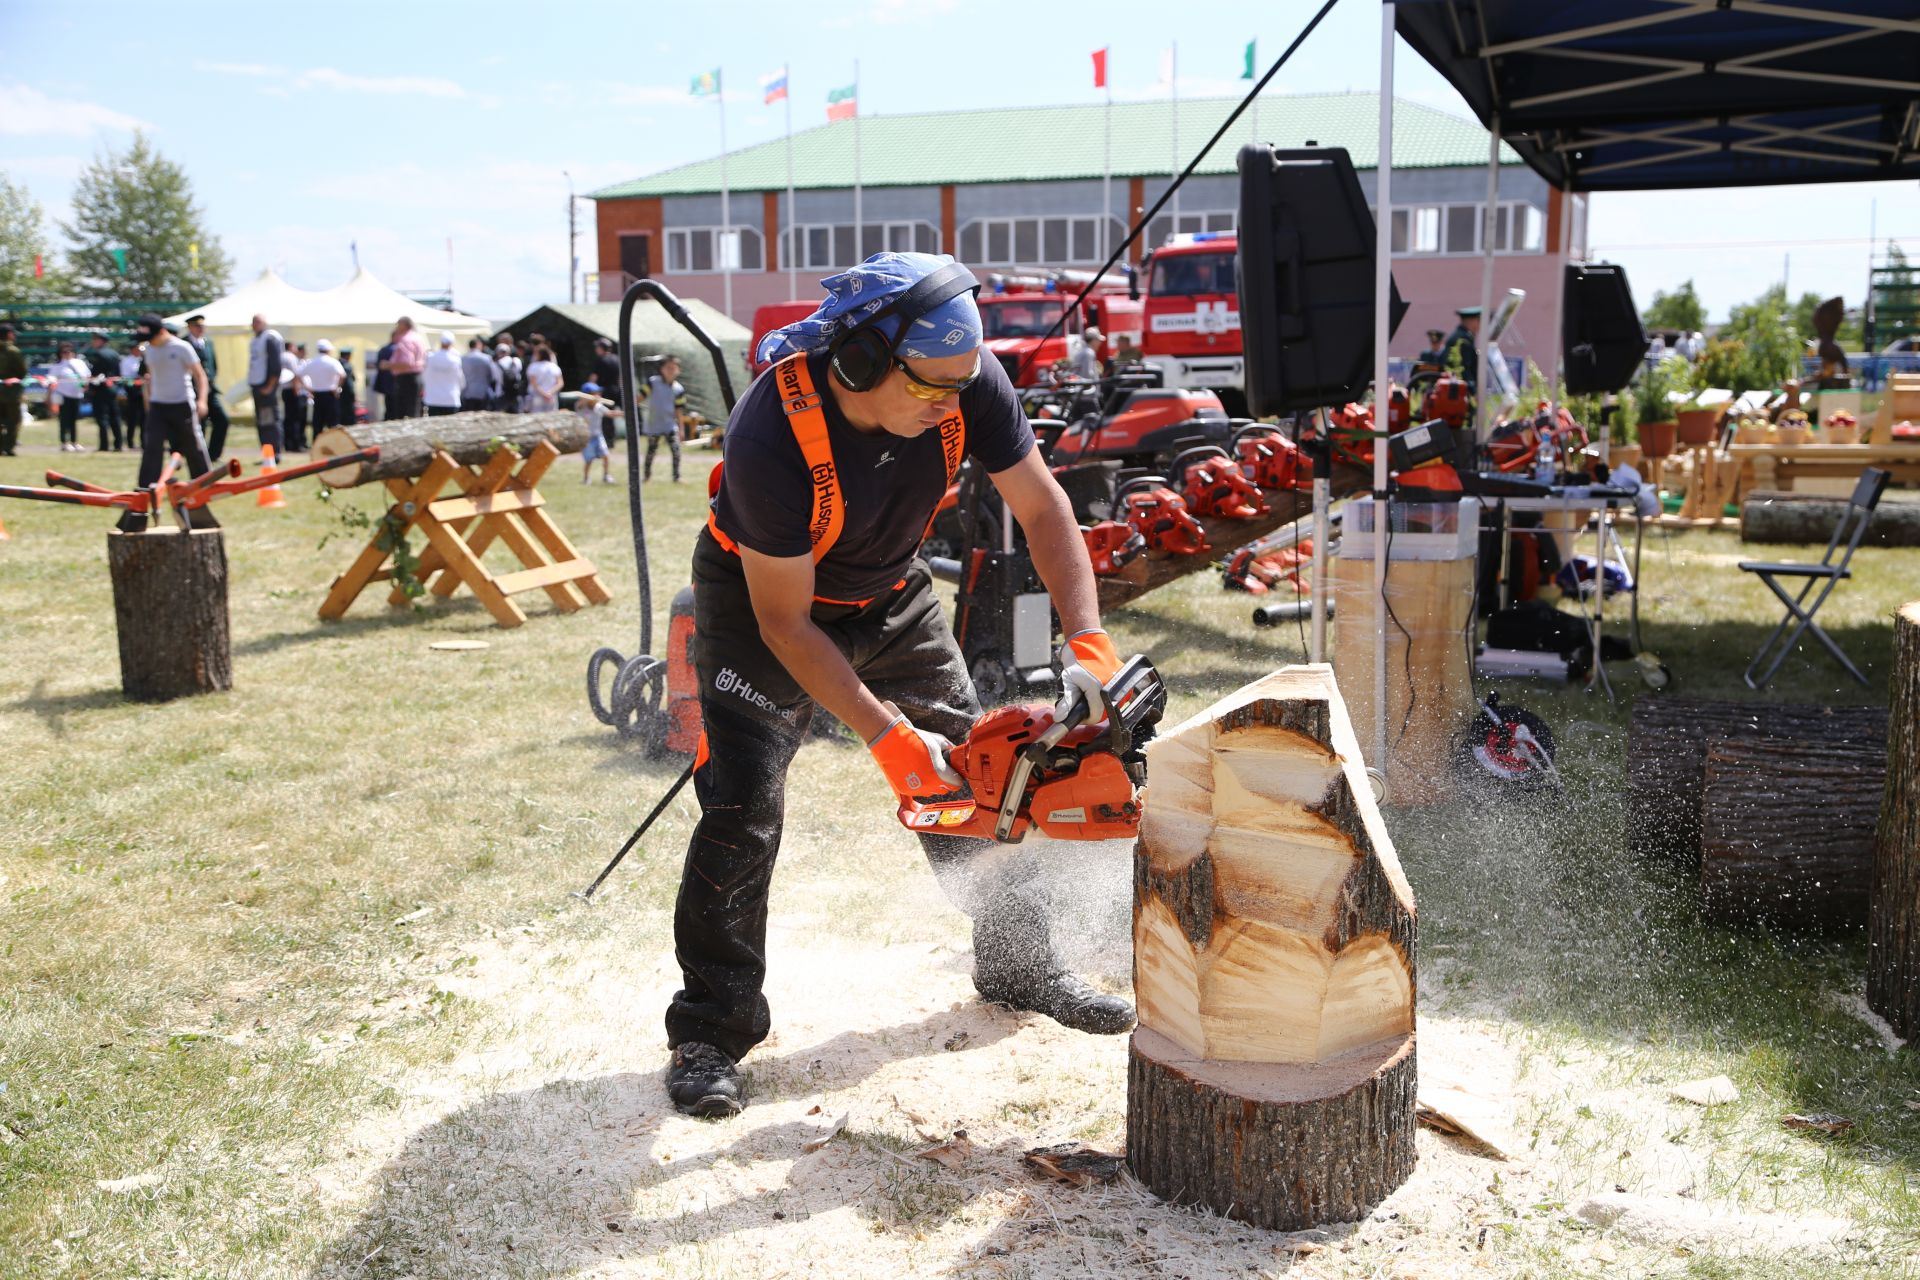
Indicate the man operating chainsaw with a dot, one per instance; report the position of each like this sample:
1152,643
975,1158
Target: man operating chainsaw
808,591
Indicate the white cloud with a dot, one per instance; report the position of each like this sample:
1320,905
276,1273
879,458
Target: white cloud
422,86
895,12
644,95
29,113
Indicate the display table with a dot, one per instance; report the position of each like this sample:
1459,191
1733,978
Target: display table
1777,466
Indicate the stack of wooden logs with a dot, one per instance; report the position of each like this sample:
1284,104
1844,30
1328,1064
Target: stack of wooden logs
1771,806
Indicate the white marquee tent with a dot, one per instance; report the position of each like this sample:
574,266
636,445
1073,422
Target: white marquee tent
358,315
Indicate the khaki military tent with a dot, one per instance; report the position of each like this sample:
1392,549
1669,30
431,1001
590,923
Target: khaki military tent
570,329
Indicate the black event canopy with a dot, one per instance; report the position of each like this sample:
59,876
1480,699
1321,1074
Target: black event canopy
1641,94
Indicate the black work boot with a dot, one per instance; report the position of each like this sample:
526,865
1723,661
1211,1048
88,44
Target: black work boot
1014,964
702,1081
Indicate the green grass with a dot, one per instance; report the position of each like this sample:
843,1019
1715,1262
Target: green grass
202,975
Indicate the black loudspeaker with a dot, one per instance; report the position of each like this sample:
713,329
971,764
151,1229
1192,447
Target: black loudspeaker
1601,338
1306,279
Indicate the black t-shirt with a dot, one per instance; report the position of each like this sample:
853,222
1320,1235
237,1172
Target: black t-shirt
891,484
606,372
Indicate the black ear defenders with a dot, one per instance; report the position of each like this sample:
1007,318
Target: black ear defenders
862,357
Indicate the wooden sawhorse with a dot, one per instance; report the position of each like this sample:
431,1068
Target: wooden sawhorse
494,503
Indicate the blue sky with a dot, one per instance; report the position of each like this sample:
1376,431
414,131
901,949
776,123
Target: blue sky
403,126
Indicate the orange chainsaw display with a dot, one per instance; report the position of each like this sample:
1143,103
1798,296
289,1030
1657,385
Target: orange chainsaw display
1257,573
185,497
1271,460
1112,546
1212,484
1035,766
1160,517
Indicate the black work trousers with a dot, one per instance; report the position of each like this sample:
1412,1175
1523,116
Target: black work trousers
326,411
135,415
294,420
106,415
216,425
756,716
172,427
404,400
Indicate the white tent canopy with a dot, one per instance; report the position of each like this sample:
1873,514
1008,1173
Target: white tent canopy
356,315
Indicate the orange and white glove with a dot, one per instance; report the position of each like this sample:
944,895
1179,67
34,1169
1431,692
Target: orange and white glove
914,760
1087,662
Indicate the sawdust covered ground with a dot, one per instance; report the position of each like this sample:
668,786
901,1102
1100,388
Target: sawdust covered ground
547,1147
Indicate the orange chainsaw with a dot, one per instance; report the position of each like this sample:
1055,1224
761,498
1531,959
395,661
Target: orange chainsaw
1034,765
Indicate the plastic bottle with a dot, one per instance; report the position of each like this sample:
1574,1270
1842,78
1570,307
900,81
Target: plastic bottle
1546,463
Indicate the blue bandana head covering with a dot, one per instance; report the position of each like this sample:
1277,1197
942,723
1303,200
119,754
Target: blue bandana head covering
949,329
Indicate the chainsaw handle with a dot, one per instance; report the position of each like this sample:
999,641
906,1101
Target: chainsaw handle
1138,484
1199,453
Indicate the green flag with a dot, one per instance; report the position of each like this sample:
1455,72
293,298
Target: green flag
120,260
706,84
1246,72
842,94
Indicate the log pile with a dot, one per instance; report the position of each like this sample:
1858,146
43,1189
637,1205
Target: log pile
1893,927
170,610
1770,806
1272,1076
1807,519
407,445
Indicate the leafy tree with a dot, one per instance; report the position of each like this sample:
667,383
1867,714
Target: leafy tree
22,239
136,231
1848,336
1681,310
1756,348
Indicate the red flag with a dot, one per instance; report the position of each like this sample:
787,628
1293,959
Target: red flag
1099,68
39,268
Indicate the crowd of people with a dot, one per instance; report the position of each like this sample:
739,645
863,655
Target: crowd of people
298,393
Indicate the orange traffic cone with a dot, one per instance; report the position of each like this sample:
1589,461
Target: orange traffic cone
271,495
4,535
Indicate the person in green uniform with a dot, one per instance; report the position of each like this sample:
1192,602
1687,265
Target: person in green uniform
1461,342
216,412
13,373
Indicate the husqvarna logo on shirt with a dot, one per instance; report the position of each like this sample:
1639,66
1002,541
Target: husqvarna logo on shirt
728,681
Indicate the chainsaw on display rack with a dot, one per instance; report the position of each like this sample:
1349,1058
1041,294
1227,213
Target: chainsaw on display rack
1052,768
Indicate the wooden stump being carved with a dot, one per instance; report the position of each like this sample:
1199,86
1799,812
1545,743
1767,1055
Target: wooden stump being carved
1893,929
170,607
1272,1077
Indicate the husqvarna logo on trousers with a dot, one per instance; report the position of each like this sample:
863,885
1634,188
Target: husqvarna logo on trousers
728,681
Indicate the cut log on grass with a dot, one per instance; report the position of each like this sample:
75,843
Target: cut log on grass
1786,830
1808,519
170,608
407,445
1667,760
1272,1076
1893,929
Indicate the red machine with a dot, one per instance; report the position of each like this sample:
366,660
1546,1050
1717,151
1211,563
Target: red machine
1257,573
1515,445
1213,486
1112,546
1018,311
1031,765
1160,517
1448,400
1139,423
1271,460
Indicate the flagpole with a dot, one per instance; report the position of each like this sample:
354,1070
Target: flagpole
793,232
859,225
1173,90
726,200
1106,165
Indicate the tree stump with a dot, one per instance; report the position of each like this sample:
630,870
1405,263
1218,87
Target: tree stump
1893,916
170,608
1786,830
1272,1076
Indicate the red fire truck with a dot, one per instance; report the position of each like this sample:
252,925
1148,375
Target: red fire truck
1016,311
1193,315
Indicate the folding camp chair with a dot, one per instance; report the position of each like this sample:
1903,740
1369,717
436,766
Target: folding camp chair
1859,512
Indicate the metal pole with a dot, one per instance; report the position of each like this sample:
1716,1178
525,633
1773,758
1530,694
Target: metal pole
1481,423
1382,388
793,232
726,202
1106,176
1173,91
859,224
1317,601
573,242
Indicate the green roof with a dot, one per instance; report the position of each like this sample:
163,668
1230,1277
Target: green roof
1032,144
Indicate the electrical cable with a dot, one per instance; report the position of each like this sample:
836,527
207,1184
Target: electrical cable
1413,694
1147,217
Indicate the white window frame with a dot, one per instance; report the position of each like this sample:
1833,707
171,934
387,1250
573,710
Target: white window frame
729,240
891,233
1419,231
1010,230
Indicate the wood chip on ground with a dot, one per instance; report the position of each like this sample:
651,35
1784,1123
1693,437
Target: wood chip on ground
1075,1164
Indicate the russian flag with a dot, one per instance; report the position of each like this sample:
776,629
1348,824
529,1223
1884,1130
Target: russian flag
774,86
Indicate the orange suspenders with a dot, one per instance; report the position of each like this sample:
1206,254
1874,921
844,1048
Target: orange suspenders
827,511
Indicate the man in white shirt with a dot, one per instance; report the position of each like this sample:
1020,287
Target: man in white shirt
323,375
442,381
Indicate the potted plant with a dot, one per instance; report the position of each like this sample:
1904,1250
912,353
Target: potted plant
1696,424
1653,407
